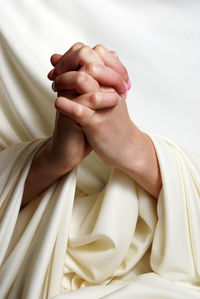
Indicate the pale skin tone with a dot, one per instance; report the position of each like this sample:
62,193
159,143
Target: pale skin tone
92,116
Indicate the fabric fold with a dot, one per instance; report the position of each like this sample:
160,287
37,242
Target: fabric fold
104,234
95,233
32,237
176,241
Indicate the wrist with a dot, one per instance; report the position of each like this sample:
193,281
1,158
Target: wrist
141,162
133,151
54,159
44,171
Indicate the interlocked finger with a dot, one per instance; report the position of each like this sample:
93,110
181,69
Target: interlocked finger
80,81
74,60
75,111
111,60
98,100
106,76
55,58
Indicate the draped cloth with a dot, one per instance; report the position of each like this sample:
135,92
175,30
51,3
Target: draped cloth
94,233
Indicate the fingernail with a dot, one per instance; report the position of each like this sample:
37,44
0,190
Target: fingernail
129,84
50,75
53,86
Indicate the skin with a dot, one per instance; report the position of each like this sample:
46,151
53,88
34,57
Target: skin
68,146
92,115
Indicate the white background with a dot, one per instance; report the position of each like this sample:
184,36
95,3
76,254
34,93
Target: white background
157,40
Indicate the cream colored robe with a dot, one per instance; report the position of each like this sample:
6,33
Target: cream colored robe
95,233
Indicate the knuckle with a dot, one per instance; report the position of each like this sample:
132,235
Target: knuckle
96,98
100,49
76,46
81,77
84,52
77,111
91,68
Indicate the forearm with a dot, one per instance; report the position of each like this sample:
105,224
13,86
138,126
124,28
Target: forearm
143,165
44,171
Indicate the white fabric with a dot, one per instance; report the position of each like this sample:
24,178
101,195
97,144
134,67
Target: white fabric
95,233
108,233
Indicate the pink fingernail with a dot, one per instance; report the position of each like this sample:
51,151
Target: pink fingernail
125,87
129,84
50,74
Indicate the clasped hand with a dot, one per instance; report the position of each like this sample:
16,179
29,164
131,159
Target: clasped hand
92,85
92,114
